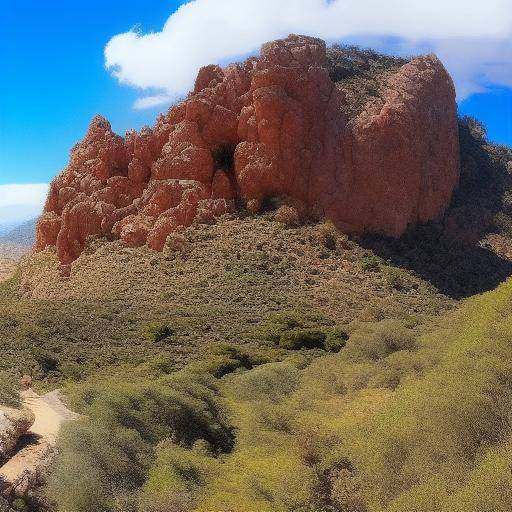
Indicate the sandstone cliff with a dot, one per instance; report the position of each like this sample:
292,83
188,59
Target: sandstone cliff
273,126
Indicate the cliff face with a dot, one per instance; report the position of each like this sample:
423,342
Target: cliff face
274,126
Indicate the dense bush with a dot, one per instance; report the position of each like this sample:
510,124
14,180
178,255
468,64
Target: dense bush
374,341
157,332
335,339
302,338
293,330
221,359
174,478
109,452
370,263
9,390
270,382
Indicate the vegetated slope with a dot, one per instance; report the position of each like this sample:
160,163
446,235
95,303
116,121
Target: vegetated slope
212,284
396,421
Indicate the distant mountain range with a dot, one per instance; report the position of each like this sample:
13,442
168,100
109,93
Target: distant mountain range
21,234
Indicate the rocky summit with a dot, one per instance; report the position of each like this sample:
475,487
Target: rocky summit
276,126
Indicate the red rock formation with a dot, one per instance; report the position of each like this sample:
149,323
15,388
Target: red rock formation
272,126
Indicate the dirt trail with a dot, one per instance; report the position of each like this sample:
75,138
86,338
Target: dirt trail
34,452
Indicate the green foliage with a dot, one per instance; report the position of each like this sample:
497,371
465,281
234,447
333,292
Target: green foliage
97,462
19,504
373,341
293,330
9,390
394,278
47,361
370,263
108,453
157,332
278,324
270,382
335,339
176,475
302,338
223,358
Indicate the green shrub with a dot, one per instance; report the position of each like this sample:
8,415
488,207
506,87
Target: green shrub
302,338
108,453
249,357
157,332
375,341
178,471
95,459
370,263
335,339
278,328
215,365
269,382
279,323
9,390
45,359
19,504
394,278
223,358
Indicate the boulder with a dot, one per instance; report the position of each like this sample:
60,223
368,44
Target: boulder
13,424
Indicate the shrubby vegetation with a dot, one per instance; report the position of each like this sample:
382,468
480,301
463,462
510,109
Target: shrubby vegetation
397,421
295,330
157,332
107,455
9,390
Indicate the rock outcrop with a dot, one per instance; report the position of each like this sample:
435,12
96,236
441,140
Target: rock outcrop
13,424
273,126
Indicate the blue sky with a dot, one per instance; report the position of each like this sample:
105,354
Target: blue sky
54,76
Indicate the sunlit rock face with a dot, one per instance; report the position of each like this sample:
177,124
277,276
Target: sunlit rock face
273,126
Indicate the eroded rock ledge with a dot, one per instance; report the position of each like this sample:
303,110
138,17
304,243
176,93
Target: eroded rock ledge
273,126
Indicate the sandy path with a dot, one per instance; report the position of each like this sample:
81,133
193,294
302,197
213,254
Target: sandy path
36,448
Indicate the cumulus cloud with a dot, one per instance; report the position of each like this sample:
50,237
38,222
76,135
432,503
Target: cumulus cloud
474,38
21,202
151,101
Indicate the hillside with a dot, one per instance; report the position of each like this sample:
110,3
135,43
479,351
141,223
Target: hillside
213,284
394,422
264,359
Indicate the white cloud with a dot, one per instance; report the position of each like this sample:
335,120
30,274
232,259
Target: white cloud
474,38
21,202
151,101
